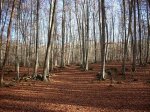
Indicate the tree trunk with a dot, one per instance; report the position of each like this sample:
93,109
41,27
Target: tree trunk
148,38
134,40
8,42
140,40
95,41
83,42
63,35
125,42
87,35
17,41
78,19
37,39
50,32
2,31
103,40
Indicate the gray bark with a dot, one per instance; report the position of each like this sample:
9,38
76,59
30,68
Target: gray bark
50,32
37,40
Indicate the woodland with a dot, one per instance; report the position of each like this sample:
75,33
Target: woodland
74,55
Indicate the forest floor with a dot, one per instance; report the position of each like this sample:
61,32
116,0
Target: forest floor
74,90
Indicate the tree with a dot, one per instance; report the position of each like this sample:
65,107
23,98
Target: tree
140,36
37,39
87,35
2,30
50,32
63,35
8,41
134,40
17,40
95,41
148,36
103,39
125,40
79,27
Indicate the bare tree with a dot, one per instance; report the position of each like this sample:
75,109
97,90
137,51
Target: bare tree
50,32
125,40
3,24
63,34
87,35
78,19
140,36
8,41
148,36
37,39
17,40
95,40
134,42
103,39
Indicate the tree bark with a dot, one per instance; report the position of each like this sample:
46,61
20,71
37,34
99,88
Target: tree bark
95,41
2,31
134,40
50,32
63,35
140,36
8,42
37,39
103,40
125,42
17,41
87,35
148,38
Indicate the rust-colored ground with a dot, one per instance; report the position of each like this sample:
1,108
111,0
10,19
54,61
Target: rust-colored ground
73,90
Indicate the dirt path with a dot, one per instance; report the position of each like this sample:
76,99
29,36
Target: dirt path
73,90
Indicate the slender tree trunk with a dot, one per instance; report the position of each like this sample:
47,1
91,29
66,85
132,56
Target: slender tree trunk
8,42
148,38
17,57
103,40
51,57
69,41
63,35
95,41
113,36
83,42
78,19
30,41
134,41
130,22
17,41
106,52
2,31
139,23
50,32
125,42
100,25
87,35
37,39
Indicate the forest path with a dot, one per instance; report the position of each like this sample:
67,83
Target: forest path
74,90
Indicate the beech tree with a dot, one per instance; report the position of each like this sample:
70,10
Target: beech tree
103,39
50,32
17,41
148,36
8,42
125,39
63,34
134,41
37,39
